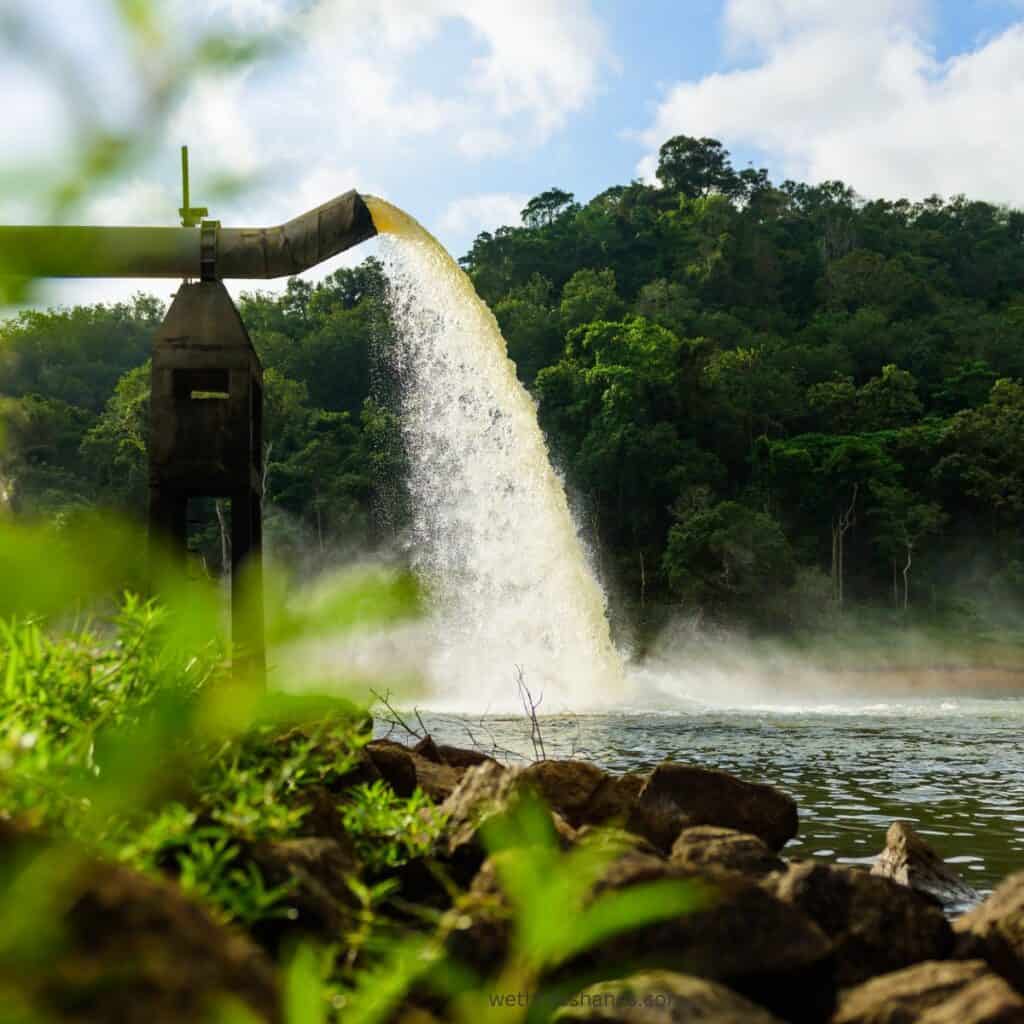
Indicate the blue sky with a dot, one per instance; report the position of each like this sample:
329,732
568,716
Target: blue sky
460,110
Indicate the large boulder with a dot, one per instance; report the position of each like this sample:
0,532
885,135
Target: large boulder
678,796
909,860
994,931
566,787
484,792
709,848
951,992
138,951
583,794
662,997
404,769
737,933
876,925
393,762
319,902
462,757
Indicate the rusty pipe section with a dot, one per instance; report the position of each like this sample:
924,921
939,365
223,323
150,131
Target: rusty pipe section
298,245
209,252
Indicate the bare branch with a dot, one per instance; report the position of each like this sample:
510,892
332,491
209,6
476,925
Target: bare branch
394,718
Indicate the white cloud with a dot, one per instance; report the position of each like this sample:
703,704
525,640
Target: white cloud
136,203
537,63
854,91
472,214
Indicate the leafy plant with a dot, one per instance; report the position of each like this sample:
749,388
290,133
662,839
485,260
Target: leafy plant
389,830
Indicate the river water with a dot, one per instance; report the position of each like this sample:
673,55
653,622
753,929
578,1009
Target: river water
953,766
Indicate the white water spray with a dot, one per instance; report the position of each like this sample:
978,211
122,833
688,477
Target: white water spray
494,539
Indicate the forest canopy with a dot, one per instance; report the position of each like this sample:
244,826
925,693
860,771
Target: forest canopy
771,402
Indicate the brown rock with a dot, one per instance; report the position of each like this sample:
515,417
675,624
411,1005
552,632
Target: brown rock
662,997
395,764
323,818
427,748
319,901
737,933
460,757
708,848
437,780
479,928
610,838
483,793
566,787
932,992
877,926
404,769
139,951
988,1000
994,931
615,798
678,796
909,860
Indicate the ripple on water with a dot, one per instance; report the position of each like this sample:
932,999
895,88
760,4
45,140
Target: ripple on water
952,767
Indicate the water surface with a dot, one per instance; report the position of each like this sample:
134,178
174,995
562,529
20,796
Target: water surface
952,766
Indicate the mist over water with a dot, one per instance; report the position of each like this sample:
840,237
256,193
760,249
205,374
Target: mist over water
493,539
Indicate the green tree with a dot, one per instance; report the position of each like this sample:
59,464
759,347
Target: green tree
729,558
696,167
590,295
889,401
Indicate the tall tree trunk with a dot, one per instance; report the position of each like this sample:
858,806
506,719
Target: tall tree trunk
841,525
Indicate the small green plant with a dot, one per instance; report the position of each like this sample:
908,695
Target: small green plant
210,868
389,830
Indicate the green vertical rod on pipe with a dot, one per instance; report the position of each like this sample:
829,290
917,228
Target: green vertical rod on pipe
184,185
185,212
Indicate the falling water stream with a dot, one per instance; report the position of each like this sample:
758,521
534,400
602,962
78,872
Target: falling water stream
512,590
493,536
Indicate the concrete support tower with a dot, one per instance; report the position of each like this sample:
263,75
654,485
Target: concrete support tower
206,440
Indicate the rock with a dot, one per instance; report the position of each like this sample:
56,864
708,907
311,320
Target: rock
608,837
614,800
876,925
566,787
484,792
678,796
738,934
479,928
437,780
395,764
708,848
404,769
661,997
951,992
459,757
323,818
909,860
139,951
319,902
427,748
988,1000
994,931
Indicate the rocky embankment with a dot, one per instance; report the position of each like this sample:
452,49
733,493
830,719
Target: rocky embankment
771,939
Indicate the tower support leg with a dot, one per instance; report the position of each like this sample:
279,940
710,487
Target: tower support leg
247,587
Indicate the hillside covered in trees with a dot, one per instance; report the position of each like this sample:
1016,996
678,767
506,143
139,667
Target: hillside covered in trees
775,404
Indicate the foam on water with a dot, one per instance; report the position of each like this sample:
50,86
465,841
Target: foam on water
493,536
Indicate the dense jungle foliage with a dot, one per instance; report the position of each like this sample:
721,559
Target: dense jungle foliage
772,402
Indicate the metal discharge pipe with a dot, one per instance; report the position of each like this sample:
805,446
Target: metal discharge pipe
209,252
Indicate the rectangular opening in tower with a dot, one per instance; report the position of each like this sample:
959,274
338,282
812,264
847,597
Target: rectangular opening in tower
201,385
